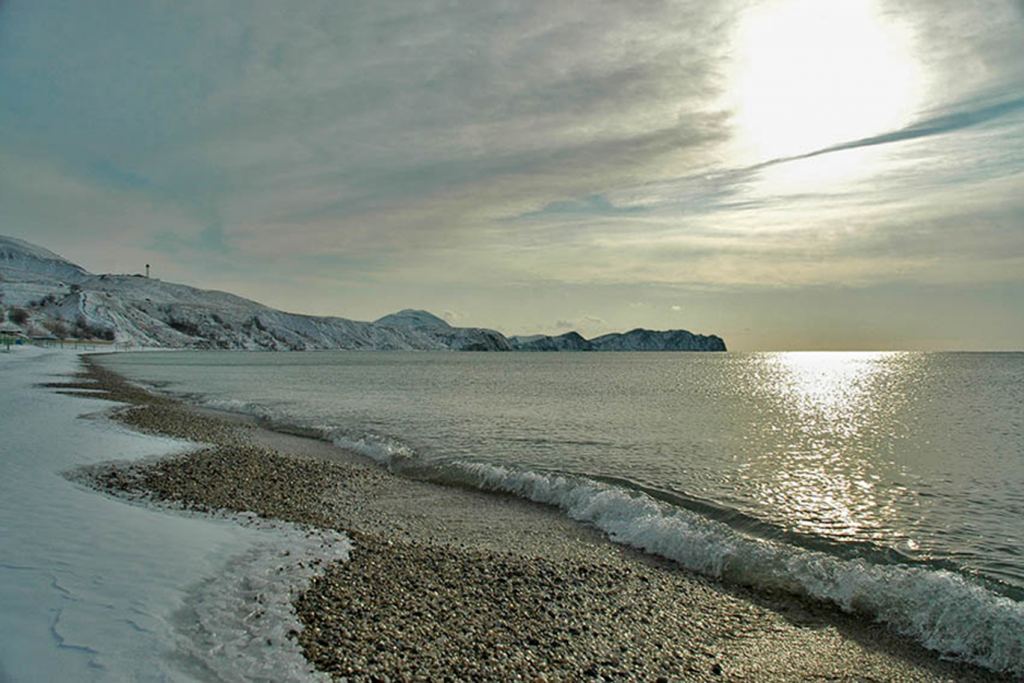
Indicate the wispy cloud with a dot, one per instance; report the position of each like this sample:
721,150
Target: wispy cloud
938,125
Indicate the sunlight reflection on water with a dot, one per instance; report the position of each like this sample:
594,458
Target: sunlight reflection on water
826,404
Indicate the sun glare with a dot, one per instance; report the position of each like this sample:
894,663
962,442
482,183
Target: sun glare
810,74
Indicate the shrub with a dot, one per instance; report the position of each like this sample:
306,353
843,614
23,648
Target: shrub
18,316
186,327
84,330
57,328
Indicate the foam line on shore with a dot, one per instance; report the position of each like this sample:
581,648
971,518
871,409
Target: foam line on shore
233,620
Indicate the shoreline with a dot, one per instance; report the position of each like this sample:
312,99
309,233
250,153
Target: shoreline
94,589
448,581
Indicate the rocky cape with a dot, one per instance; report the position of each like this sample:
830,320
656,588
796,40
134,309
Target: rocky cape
45,295
634,340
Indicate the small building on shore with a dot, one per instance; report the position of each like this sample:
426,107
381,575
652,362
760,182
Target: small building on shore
11,334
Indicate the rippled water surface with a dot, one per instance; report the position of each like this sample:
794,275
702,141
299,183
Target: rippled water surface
893,457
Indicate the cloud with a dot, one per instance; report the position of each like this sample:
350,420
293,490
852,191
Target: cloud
938,125
585,324
594,204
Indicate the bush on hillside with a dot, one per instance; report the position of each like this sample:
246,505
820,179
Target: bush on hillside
85,330
57,328
18,316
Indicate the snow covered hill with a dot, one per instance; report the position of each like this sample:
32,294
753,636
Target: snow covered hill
415,319
463,338
22,261
44,294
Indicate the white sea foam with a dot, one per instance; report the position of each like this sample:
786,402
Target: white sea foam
939,609
230,405
386,451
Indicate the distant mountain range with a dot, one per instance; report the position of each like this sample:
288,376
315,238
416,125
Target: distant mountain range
43,294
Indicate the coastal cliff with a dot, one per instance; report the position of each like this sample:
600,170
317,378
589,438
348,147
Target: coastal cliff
634,340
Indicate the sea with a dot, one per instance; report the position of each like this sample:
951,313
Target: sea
890,485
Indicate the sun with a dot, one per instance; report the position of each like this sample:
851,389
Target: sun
808,74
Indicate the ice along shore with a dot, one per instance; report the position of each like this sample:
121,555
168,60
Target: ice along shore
93,589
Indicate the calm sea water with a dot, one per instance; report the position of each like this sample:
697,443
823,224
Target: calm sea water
809,471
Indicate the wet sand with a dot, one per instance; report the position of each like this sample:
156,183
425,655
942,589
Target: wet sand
450,583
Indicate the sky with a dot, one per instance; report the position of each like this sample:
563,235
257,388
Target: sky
788,174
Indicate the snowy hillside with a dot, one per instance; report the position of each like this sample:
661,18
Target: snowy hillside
412,318
26,262
464,338
44,294
55,296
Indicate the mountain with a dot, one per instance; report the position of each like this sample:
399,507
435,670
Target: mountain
43,294
634,340
62,299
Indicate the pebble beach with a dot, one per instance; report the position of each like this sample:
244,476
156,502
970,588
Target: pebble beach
448,583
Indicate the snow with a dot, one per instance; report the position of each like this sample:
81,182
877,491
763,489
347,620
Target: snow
23,293
28,249
95,588
21,258
414,318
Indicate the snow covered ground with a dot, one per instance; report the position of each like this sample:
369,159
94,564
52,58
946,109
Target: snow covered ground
94,588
